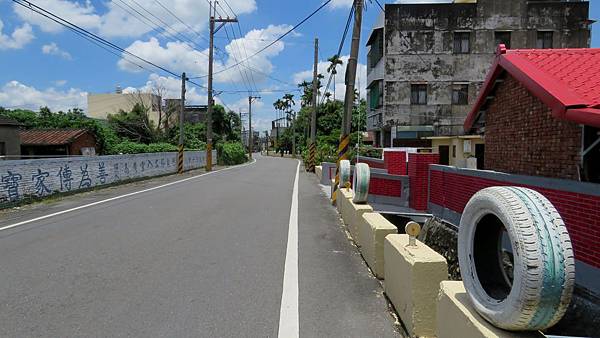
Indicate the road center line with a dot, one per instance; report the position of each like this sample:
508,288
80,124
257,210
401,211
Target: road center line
118,197
289,326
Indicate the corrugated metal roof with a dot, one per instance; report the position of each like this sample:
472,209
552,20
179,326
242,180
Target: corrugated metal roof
50,136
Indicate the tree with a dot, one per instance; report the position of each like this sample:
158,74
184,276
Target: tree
334,62
134,125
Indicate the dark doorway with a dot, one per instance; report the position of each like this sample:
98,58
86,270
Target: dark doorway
480,155
444,155
387,139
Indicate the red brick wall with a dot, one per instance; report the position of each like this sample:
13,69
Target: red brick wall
522,136
395,162
418,172
580,212
83,141
383,187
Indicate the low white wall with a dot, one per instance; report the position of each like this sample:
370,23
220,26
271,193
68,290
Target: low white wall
22,179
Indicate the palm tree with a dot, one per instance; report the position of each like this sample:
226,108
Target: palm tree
334,62
279,106
328,96
306,92
288,103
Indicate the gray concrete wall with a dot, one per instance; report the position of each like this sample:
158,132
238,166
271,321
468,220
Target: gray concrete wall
22,179
10,136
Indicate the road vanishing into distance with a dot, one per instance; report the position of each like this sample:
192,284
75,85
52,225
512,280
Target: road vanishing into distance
248,251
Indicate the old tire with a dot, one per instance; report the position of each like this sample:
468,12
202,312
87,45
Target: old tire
344,173
362,176
537,293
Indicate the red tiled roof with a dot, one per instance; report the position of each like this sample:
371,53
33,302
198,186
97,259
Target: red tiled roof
566,80
50,136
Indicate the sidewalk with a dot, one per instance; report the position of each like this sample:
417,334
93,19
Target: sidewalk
339,297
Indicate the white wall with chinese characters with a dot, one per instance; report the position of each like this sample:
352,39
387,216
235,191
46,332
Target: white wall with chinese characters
22,179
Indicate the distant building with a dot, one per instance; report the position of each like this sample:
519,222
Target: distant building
539,112
10,142
278,127
256,140
101,105
192,114
426,62
36,142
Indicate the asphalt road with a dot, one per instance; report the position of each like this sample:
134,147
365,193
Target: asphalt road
200,258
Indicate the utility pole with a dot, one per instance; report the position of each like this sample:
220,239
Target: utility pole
181,109
250,145
211,45
349,98
267,142
241,126
313,121
293,126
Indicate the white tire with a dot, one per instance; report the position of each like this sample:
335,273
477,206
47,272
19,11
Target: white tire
344,173
537,293
362,176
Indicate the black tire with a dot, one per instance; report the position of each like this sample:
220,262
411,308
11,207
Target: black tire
537,293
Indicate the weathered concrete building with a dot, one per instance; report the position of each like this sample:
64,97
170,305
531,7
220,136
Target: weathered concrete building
426,62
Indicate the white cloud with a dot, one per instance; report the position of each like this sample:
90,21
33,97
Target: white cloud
60,83
171,88
116,19
53,49
16,94
340,87
19,37
180,56
341,4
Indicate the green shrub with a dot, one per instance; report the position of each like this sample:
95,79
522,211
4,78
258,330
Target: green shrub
128,147
231,153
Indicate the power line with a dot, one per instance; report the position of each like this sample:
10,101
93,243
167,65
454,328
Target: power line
91,36
181,21
276,40
399,32
339,51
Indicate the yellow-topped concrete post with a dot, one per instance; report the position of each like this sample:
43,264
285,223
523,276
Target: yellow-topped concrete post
458,318
412,282
372,230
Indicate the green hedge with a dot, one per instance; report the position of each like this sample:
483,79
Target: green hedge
128,147
231,153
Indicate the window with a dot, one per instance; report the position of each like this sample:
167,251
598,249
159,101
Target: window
376,51
454,151
418,94
544,39
462,42
376,95
2,148
460,94
502,38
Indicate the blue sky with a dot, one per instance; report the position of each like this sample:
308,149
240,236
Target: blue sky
45,65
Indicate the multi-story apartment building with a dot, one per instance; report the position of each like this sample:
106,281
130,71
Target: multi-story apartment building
101,105
426,62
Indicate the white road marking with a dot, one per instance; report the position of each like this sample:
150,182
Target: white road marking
118,197
289,326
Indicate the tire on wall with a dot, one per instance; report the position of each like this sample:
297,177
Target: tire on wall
344,173
362,176
500,222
